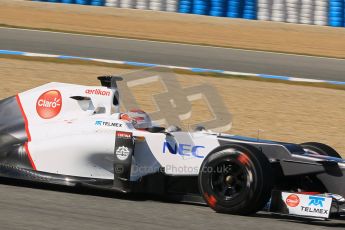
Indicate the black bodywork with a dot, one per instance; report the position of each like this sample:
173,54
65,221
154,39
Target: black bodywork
294,169
13,135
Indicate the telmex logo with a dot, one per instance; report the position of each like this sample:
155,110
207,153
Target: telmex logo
49,104
109,124
316,201
183,149
292,200
97,92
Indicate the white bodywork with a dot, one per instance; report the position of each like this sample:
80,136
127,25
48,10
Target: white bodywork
76,137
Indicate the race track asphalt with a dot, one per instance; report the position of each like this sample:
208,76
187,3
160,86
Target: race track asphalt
173,54
50,207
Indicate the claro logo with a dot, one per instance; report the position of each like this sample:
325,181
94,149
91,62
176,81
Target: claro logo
49,104
97,92
292,200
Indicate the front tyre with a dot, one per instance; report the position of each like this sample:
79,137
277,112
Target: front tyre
320,149
236,179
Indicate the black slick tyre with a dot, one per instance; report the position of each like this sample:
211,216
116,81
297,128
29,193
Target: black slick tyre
236,179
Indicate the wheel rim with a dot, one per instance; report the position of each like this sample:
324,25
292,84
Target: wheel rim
229,179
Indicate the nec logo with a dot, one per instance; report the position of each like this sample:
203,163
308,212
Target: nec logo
316,201
183,149
108,124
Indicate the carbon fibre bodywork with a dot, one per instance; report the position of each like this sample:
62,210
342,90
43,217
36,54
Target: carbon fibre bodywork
292,164
13,134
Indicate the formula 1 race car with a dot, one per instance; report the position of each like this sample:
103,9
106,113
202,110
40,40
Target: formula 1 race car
76,135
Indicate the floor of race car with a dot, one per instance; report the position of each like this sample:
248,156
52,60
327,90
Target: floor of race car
34,206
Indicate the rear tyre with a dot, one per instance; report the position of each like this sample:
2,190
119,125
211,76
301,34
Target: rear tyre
236,179
320,149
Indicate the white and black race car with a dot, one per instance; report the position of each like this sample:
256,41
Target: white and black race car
75,135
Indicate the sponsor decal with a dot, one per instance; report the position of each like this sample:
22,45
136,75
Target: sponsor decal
310,210
292,200
108,124
97,92
125,135
316,201
49,104
304,205
183,149
122,153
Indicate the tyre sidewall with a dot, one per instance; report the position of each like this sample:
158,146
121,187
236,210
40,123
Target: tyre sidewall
321,149
258,173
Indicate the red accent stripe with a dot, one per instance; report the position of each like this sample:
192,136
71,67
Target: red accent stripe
29,156
244,159
309,193
27,133
211,200
25,118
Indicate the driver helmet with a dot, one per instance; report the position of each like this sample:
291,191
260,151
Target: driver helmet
138,118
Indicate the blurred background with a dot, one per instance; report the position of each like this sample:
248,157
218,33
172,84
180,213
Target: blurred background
316,12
